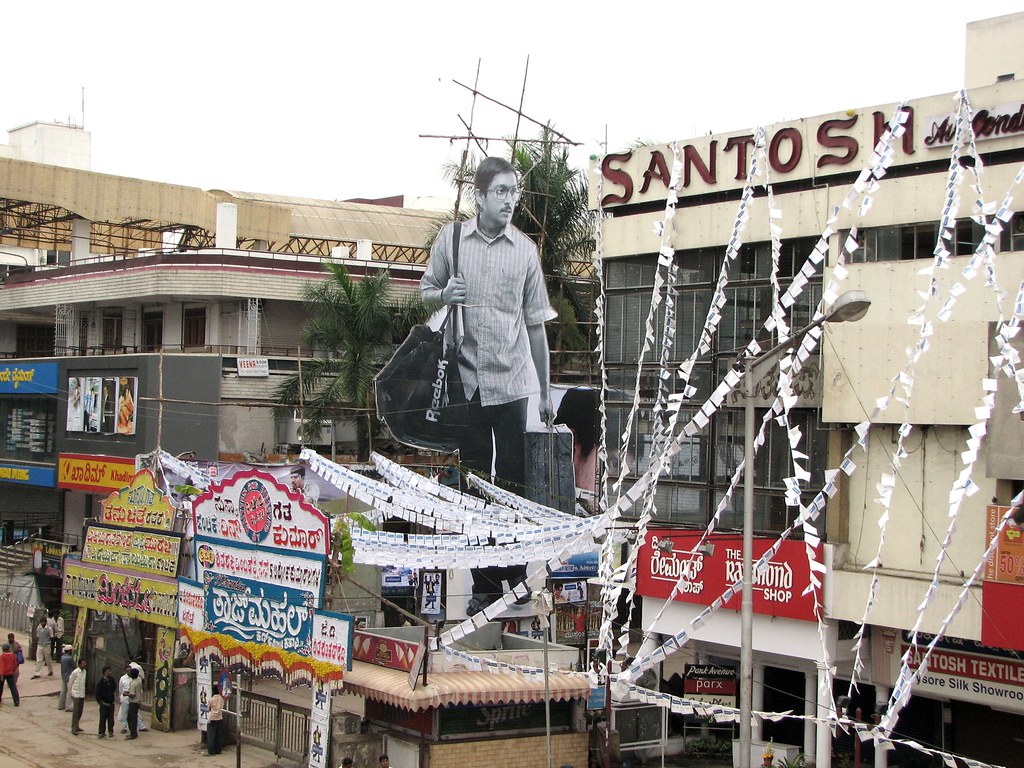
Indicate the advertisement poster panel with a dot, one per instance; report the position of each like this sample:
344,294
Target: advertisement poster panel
778,591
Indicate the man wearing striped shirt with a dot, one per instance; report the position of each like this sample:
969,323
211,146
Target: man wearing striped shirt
500,286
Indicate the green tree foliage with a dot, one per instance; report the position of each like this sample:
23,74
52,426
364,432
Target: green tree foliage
353,327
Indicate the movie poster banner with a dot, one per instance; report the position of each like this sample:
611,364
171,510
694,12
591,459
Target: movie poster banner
153,553
319,726
139,505
122,593
257,612
332,639
253,508
250,562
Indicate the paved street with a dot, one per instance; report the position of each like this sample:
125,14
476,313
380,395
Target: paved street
36,735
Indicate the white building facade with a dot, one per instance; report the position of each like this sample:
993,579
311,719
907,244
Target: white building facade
973,694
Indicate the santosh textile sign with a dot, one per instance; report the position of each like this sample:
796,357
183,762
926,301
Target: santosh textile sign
139,505
151,599
94,474
152,553
28,379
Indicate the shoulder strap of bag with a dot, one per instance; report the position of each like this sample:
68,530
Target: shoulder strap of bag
453,312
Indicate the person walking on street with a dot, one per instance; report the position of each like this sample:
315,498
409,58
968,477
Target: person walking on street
106,689
134,701
8,672
44,636
215,726
77,685
19,654
67,666
57,626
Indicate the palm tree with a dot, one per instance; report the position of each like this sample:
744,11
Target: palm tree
354,326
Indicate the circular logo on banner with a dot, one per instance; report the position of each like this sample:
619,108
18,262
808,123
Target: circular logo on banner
254,509
205,554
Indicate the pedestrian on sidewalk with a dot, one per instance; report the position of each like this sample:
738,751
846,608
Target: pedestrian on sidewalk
57,625
215,726
106,688
134,701
77,685
8,672
44,636
67,666
19,653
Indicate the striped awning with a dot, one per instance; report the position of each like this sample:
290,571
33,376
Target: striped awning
443,688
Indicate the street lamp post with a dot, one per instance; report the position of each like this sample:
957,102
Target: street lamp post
848,308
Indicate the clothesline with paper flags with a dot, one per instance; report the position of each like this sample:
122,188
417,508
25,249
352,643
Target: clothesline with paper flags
511,542
863,731
984,256
903,686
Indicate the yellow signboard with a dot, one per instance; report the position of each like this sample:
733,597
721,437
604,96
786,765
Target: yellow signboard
139,505
144,598
155,553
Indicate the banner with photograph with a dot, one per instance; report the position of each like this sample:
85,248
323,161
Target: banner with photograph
432,593
127,397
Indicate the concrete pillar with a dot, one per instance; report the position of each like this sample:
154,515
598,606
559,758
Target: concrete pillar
80,239
823,752
227,225
882,694
810,709
757,701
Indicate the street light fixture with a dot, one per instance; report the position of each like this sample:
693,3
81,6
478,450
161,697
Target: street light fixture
848,308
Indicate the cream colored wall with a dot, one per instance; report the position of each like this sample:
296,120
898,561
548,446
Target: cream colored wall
861,359
993,49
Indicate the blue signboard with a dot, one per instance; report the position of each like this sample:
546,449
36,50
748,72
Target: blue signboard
258,612
581,566
28,378
26,475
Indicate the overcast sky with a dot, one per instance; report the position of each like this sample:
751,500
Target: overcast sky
329,100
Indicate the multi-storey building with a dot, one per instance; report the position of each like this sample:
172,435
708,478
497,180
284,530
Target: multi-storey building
188,300
971,701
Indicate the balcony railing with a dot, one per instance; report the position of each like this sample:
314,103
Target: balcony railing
208,257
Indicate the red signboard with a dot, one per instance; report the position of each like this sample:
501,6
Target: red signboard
777,592
386,651
1002,621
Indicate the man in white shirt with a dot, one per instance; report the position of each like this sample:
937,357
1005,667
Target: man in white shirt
76,685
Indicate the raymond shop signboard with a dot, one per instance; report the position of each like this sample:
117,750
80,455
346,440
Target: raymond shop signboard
777,592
